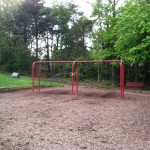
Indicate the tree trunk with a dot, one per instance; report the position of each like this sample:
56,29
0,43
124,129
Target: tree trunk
36,40
113,75
52,40
48,65
136,73
147,74
98,78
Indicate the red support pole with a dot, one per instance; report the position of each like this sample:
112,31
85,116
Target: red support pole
73,64
73,77
39,77
121,80
76,78
33,77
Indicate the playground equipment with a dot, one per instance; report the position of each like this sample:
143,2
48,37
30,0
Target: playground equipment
135,84
75,70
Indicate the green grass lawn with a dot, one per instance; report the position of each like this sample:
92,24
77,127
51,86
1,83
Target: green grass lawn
6,81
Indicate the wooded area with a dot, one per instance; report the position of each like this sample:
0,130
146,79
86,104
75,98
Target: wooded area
30,31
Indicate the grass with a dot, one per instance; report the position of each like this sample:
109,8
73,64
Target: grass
6,81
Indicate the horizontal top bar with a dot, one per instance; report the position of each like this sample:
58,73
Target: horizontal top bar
98,61
71,61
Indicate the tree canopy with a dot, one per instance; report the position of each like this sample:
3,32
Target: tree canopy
31,31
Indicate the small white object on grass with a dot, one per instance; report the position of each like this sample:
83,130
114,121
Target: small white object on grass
15,75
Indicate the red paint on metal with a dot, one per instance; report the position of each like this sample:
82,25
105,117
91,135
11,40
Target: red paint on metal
76,62
73,77
38,72
76,78
121,79
39,77
33,77
121,73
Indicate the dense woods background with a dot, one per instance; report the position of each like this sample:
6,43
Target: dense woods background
31,31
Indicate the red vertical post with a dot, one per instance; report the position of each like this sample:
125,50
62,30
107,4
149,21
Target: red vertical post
38,76
73,77
121,80
33,78
76,78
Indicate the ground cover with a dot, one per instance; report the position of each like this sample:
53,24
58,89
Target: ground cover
6,81
53,119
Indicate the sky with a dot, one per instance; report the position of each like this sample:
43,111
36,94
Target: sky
84,5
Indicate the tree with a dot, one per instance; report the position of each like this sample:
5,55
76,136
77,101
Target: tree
104,37
14,52
133,34
81,30
133,38
36,11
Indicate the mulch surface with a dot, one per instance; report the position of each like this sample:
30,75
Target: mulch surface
53,119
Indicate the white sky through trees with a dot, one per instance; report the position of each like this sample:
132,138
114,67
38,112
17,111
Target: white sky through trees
84,5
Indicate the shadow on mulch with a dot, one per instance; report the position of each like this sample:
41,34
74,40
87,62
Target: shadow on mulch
57,92
84,94
14,89
101,95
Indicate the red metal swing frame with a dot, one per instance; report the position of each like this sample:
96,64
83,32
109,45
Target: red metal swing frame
75,69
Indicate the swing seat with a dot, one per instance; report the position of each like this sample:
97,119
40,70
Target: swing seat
134,84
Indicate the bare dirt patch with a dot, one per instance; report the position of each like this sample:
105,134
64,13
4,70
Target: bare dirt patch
55,120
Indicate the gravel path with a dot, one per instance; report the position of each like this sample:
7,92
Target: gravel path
55,120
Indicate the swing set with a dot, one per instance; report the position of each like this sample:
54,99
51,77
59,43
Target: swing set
75,72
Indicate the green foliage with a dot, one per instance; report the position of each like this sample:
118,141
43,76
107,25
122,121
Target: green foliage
30,31
133,32
6,81
122,33
73,30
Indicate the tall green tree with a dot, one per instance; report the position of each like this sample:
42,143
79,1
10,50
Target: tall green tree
133,34
65,15
81,32
105,14
15,53
36,11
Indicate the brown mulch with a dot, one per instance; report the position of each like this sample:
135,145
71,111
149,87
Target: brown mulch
53,119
